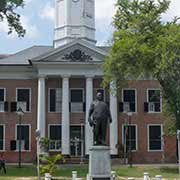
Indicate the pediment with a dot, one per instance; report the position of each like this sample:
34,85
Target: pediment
76,52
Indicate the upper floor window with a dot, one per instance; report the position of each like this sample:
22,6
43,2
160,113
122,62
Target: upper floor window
77,100
154,100
55,137
155,137
55,100
23,137
2,99
24,99
129,100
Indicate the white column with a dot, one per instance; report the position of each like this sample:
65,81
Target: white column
65,124
41,121
114,114
88,129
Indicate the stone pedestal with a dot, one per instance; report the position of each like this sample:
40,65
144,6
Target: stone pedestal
99,163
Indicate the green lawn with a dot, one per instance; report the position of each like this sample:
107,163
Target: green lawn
168,173
13,173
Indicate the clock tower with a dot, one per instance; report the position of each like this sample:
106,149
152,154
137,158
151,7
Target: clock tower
74,19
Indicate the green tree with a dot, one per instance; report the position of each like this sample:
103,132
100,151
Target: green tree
7,11
49,163
144,46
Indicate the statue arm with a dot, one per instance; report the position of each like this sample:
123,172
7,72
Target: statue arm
91,110
90,113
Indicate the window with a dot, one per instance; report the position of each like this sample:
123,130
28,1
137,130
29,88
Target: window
155,137
2,139
23,136
76,140
54,137
154,100
101,91
129,137
2,100
77,104
55,100
23,99
129,100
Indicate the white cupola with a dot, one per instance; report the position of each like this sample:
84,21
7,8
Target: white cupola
74,19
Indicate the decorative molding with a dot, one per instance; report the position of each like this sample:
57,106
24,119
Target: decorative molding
77,56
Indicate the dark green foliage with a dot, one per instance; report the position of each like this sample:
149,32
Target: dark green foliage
146,47
7,11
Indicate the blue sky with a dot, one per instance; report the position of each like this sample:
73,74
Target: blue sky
37,18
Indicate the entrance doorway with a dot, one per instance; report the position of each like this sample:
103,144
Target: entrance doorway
77,140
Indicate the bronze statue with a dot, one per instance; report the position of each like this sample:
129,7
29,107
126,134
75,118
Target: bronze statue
99,118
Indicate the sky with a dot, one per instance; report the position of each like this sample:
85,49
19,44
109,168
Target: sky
37,17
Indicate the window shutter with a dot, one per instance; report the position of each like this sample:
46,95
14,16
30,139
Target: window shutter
132,106
58,100
121,107
52,99
13,145
84,107
146,107
13,106
157,107
69,107
2,95
6,106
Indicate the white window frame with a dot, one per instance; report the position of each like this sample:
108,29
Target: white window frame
4,138
147,97
49,101
80,125
136,127
54,150
30,96
4,98
148,144
95,89
70,98
122,98
29,137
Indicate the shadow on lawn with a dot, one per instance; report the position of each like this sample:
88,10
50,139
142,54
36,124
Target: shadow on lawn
169,170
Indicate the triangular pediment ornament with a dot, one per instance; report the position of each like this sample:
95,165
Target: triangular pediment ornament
77,51
77,56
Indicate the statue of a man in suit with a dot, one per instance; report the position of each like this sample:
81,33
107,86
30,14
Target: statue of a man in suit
99,118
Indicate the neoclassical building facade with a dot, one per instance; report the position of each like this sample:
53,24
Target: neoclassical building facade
55,85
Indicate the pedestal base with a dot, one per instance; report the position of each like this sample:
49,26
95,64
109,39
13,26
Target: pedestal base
99,163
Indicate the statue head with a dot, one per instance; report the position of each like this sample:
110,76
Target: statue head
99,96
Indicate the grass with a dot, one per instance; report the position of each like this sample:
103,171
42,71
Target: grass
14,173
166,172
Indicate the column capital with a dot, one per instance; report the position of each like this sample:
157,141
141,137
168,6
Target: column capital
42,76
89,76
67,76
